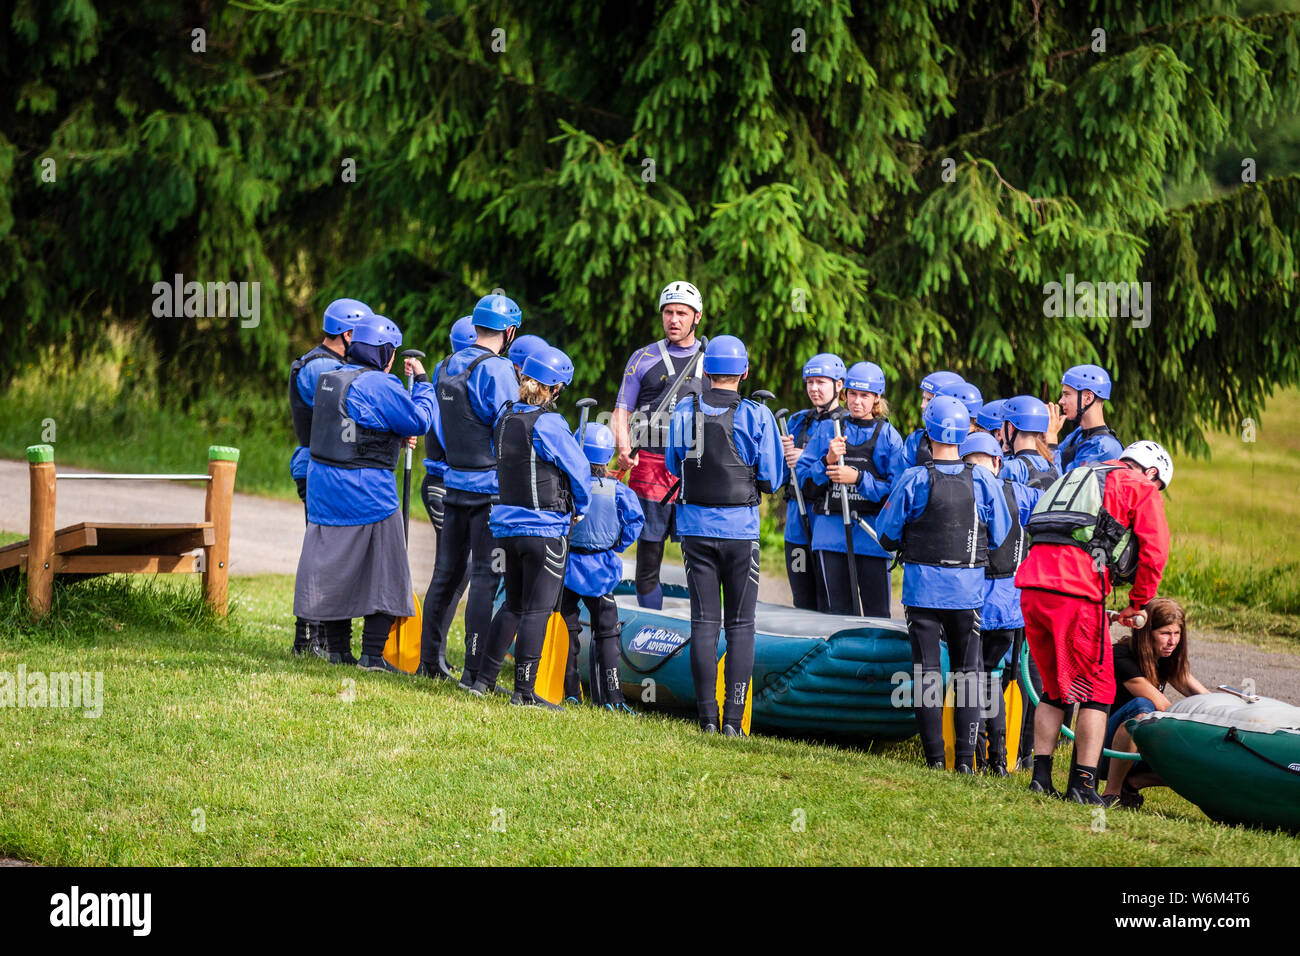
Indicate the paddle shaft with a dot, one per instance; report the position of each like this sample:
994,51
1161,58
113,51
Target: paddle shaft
406,478
856,598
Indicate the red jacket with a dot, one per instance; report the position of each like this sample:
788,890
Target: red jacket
1135,502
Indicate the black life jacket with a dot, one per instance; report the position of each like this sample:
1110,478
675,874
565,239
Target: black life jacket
299,410
336,438
801,439
949,532
712,472
1068,455
469,438
1006,557
652,433
1041,479
598,529
525,479
863,458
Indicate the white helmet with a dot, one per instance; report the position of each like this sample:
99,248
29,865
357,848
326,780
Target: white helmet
681,292
1149,454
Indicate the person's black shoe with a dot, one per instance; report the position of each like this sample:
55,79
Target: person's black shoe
731,730
996,769
1130,798
1110,799
477,689
344,657
1047,791
1084,795
966,769
368,663
708,728
434,672
937,765
299,650
520,699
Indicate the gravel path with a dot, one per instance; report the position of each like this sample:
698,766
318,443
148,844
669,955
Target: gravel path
266,535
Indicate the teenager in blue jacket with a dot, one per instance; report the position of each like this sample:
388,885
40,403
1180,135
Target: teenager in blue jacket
864,462
613,521
340,319
473,386
545,482
1084,391
942,518
727,452
1000,619
354,560
823,377
916,447
1030,462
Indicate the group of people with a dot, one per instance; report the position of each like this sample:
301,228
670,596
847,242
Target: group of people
1006,537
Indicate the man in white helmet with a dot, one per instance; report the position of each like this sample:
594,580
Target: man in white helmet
656,378
1064,583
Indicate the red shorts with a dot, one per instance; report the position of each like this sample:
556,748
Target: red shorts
1070,645
650,478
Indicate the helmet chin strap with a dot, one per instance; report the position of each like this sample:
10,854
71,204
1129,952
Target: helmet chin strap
824,409
1079,413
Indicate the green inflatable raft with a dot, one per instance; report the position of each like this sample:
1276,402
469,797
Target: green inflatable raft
815,675
1238,761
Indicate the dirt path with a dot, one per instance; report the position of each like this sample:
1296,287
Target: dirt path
266,535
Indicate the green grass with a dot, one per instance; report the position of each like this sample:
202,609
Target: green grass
216,724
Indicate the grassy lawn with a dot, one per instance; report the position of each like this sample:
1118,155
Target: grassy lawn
215,747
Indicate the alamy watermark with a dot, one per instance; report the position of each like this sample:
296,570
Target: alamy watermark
1083,299
178,298
72,689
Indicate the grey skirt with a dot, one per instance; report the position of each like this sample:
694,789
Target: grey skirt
348,571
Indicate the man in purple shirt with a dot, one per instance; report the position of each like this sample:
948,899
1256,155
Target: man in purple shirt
656,378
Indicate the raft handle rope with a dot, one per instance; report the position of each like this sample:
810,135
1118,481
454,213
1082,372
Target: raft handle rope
1028,686
137,477
1233,737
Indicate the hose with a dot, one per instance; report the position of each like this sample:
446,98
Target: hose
1028,685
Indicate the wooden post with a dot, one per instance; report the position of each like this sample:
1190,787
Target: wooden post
40,530
222,462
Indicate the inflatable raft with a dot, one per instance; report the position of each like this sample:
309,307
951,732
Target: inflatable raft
817,675
1238,761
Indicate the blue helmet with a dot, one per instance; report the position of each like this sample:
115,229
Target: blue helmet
549,366
990,416
981,442
376,330
1026,413
462,333
865,377
725,355
946,420
497,312
1091,377
824,365
525,346
967,394
937,380
597,444
341,315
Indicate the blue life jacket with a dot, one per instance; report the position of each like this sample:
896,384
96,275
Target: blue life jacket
598,531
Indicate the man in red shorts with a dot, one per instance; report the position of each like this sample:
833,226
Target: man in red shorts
1064,584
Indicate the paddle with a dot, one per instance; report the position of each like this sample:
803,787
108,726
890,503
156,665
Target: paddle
402,649
555,646
856,601
794,482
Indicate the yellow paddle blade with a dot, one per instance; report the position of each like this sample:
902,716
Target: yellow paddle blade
402,649
949,732
555,655
1015,717
720,691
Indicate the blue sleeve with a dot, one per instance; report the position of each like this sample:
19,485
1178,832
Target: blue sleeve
679,437
310,374
1056,452
910,445
772,472
380,402
1026,498
811,465
553,442
889,460
993,507
903,505
492,388
1014,469
631,519
1108,448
